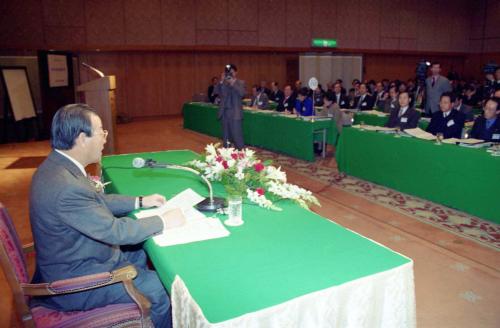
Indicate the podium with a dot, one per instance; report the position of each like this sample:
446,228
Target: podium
100,95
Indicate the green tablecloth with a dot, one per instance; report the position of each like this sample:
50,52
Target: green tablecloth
463,178
274,257
268,130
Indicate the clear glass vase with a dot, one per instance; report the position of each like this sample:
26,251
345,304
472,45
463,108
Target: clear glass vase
235,210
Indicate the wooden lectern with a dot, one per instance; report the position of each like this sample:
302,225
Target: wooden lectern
100,95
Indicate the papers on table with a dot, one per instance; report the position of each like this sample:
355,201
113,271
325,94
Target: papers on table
421,134
470,141
197,226
373,112
373,128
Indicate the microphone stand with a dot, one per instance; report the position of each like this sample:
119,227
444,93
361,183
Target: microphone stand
211,204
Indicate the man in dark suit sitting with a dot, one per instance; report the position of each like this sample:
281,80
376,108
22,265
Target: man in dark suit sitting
78,229
487,127
364,101
339,98
276,94
288,102
404,117
447,120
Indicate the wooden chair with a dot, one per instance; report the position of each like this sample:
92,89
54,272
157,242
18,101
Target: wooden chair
13,262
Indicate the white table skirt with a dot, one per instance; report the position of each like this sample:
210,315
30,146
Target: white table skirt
385,299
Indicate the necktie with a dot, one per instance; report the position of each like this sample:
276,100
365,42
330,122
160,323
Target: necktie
433,81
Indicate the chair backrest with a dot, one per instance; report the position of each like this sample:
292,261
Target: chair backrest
13,262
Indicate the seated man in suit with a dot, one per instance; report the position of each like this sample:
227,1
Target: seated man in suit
461,107
318,94
263,88
303,103
380,95
78,229
288,102
392,101
276,94
403,116
447,120
487,127
364,101
339,98
212,96
259,98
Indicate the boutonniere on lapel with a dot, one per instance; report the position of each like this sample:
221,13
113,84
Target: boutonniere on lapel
97,183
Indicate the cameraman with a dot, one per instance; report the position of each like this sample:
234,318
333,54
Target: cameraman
231,92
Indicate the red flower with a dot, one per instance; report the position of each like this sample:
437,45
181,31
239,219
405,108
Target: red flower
258,167
218,159
234,156
260,191
224,163
241,155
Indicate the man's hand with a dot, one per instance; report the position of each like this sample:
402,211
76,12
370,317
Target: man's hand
173,219
153,200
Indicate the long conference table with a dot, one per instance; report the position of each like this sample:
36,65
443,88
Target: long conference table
267,129
463,178
292,268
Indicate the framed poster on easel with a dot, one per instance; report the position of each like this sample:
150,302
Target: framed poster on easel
19,103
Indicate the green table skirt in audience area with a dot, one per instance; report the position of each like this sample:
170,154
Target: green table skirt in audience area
463,178
269,130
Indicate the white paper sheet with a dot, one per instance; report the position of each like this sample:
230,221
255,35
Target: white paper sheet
197,227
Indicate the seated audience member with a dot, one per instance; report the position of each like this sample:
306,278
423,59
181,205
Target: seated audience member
343,90
487,126
338,97
461,107
212,96
276,94
288,102
318,94
351,96
392,101
447,120
470,97
404,116
364,101
297,87
332,109
304,103
497,78
259,98
79,230
380,95
263,88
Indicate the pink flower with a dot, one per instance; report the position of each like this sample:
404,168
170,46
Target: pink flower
258,167
260,191
241,155
234,156
218,159
224,163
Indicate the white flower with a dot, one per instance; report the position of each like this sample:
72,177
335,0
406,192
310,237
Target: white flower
211,149
274,173
261,200
240,175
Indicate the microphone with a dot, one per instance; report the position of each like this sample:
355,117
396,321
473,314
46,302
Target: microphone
208,205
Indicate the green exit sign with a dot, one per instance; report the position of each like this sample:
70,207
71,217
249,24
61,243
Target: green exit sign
324,43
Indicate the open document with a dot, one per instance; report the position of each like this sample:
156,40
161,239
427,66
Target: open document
420,134
197,226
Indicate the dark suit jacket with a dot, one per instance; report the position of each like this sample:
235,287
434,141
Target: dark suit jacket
365,104
277,96
343,101
230,100
390,105
210,93
451,126
77,229
479,130
286,104
409,120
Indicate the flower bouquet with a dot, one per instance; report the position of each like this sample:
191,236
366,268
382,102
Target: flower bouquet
242,174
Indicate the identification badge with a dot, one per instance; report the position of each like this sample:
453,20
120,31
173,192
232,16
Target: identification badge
286,104
363,104
392,106
260,103
496,136
404,119
303,109
450,123
342,102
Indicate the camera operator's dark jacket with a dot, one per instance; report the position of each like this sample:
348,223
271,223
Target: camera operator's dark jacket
230,99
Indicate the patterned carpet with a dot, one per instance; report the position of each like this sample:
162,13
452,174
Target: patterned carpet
462,224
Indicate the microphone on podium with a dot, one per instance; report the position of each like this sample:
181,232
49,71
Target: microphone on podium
212,204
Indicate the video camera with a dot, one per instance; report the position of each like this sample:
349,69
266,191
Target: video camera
228,74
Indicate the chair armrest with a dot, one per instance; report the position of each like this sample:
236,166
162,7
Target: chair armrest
78,284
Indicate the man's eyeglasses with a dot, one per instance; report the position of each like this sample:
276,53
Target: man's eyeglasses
103,133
